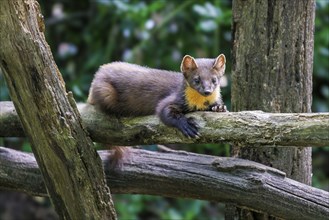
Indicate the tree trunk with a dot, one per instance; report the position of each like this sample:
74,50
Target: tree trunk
71,168
272,71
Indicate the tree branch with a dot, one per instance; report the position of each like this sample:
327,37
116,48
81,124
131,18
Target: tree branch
254,128
182,174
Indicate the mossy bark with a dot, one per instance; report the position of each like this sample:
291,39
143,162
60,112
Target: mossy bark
272,71
71,168
255,128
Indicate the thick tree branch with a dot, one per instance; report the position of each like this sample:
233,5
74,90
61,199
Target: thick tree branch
188,175
254,128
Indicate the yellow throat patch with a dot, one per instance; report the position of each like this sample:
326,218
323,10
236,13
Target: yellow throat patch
196,101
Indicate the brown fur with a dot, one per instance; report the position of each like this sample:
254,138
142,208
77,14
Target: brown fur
128,89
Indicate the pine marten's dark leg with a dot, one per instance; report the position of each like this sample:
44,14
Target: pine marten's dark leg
170,112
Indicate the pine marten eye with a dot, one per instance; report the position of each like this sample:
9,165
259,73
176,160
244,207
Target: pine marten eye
214,80
196,80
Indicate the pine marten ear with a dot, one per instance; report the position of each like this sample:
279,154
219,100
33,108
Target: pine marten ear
188,64
219,64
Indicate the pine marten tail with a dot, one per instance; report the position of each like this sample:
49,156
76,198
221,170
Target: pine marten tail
115,160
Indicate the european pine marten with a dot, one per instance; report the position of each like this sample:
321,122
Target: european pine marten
131,90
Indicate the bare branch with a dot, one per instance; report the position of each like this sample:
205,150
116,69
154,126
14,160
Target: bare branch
187,175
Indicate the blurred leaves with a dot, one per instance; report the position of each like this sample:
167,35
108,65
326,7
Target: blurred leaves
321,57
141,207
208,10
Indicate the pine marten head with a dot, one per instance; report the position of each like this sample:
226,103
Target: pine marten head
202,78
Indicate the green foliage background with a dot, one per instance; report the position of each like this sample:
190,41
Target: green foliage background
86,34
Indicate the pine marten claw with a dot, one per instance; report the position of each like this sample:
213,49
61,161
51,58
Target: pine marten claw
219,108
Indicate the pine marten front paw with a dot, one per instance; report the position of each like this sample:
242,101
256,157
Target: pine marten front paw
219,108
189,127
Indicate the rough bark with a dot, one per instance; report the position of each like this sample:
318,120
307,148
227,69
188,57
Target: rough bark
254,128
272,71
71,168
187,175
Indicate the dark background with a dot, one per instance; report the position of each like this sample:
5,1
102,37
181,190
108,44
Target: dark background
155,33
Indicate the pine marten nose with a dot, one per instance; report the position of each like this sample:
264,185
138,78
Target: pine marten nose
207,92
